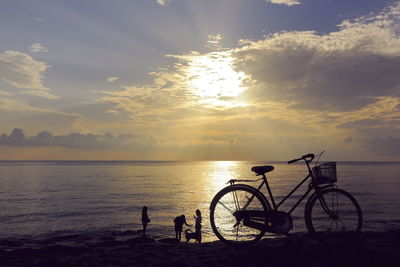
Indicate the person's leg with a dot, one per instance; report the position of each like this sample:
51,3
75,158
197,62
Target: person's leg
198,234
179,235
144,229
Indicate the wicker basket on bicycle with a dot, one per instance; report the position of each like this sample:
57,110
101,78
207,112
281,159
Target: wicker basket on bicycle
325,173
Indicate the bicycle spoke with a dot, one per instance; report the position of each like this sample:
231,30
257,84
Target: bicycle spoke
228,209
235,200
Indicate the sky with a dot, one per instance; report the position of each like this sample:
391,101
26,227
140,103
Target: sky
199,79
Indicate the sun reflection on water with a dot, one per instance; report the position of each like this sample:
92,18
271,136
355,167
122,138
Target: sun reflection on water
225,163
221,172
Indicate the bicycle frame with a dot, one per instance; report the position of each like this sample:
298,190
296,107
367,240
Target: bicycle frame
276,206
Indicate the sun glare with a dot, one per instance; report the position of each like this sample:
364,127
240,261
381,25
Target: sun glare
225,163
212,78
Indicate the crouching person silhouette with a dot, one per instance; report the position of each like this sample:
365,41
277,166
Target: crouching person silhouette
178,225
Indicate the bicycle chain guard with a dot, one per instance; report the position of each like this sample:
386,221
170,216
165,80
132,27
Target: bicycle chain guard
281,222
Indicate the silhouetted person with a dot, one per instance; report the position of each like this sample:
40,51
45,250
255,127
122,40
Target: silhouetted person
145,220
197,226
179,222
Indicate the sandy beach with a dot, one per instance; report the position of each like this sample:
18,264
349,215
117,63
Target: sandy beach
128,248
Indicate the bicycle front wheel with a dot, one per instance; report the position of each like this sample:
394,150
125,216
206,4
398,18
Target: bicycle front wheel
333,210
238,214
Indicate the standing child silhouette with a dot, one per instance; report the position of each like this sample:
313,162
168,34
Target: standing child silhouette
197,226
145,220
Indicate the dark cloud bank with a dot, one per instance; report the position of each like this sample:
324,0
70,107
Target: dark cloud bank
74,140
389,146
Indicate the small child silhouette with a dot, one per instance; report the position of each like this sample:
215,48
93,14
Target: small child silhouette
145,220
197,226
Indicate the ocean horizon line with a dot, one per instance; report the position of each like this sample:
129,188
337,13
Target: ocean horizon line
193,161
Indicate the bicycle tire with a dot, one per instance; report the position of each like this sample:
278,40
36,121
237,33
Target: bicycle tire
223,221
333,210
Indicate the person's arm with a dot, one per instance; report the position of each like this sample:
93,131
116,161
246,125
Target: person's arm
187,223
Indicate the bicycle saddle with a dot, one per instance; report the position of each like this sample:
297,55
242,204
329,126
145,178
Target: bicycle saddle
260,170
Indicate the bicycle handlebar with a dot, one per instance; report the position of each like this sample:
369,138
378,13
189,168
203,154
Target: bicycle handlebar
311,156
293,161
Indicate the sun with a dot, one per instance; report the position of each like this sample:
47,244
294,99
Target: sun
212,79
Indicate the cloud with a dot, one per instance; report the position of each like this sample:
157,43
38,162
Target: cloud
112,79
3,93
22,71
362,123
214,41
167,98
37,47
163,2
76,140
40,93
13,106
384,112
343,70
284,2
16,112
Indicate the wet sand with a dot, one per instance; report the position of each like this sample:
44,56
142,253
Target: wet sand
128,248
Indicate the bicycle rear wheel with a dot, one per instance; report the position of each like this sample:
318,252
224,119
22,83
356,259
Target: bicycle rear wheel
333,210
238,214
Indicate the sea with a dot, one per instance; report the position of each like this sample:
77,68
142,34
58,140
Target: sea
46,197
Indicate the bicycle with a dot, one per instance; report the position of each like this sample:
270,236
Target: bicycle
240,213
